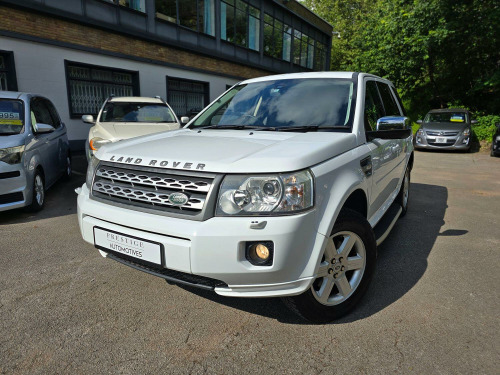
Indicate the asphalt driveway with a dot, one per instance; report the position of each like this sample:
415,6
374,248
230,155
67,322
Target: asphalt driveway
433,306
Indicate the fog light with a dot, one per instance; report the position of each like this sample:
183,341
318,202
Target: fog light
260,253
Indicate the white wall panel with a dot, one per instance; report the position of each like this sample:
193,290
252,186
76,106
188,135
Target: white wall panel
40,69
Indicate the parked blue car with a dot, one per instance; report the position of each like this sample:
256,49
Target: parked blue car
34,150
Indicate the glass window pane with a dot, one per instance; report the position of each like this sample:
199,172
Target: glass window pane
241,5
167,10
134,4
268,40
187,14
241,28
206,14
253,33
255,12
391,108
278,24
268,19
297,35
287,44
227,22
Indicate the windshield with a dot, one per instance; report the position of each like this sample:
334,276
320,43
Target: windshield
284,104
11,116
446,117
136,112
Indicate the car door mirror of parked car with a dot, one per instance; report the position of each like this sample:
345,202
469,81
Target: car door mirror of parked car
419,121
43,128
473,122
184,120
88,119
391,127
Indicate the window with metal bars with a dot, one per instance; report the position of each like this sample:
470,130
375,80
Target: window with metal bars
89,86
8,80
187,97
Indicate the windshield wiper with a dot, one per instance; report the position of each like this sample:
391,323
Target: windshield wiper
310,127
237,127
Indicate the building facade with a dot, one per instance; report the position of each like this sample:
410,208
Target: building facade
78,52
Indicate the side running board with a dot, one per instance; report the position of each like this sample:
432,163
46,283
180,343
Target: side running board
384,226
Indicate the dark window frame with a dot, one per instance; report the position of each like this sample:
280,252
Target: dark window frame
67,63
206,93
248,14
116,3
10,70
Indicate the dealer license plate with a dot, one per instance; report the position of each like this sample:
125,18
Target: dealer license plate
440,140
126,245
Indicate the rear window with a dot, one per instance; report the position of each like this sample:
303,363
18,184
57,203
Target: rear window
11,116
136,112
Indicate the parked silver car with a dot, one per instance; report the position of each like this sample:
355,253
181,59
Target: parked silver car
445,129
34,150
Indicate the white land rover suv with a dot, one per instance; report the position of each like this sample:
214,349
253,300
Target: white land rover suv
283,186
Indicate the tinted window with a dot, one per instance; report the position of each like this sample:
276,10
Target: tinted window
373,106
41,112
11,116
53,113
136,112
284,103
391,108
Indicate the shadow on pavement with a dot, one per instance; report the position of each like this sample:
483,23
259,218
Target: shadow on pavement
402,261
60,199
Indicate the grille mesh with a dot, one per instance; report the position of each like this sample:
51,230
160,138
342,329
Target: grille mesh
150,189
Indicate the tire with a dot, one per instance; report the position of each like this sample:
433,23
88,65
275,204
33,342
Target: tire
38,198
347,263
404,192
69,169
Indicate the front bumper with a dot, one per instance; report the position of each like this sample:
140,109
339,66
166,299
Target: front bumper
215,248
13,186
459,142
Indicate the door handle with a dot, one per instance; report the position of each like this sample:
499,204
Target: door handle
366,166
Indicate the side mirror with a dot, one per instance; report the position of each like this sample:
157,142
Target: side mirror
473,122
43,128
419,121
391,127
497,125
88,119
184,120
393,123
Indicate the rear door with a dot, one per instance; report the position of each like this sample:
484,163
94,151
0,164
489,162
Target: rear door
58,137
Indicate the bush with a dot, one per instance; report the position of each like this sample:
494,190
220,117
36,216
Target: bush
485,127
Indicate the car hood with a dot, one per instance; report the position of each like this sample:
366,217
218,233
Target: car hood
125,130
12,140
445,126
230,151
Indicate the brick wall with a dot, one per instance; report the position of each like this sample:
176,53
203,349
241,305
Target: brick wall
33,24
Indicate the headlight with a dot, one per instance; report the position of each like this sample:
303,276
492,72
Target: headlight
266,194
420,132
466,132
91,171
12,155
96,143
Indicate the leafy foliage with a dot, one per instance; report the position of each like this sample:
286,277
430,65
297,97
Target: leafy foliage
485,127
435,51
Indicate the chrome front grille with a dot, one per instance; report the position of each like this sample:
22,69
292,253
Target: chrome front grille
151,188
442,133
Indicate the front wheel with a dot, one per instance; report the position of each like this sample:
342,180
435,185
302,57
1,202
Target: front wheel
38,198
344,273
404,192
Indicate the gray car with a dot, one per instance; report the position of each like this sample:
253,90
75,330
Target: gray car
34,150
445,129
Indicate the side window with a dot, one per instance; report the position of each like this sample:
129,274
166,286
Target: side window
56,120
395,92
373,106
391,108
41,112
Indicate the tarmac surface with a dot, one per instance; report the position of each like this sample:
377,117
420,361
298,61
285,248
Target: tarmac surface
433,306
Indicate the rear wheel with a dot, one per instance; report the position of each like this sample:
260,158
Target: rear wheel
344,273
